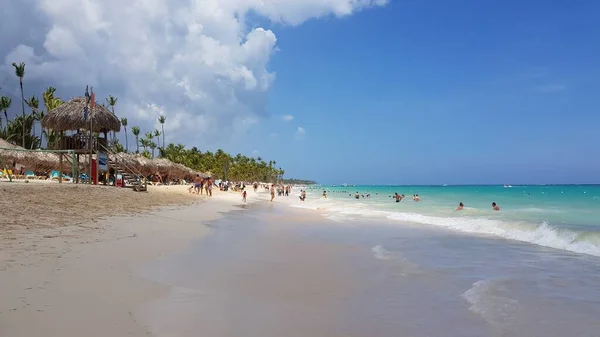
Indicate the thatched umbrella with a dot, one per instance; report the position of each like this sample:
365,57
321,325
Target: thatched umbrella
69,116
36,161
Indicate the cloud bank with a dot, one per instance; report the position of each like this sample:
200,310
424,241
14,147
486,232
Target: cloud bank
196,61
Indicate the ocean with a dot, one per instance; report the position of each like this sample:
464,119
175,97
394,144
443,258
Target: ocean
558,216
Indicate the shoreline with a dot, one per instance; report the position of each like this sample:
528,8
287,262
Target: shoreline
75,275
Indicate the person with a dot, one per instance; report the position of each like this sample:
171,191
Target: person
495,207
357,196
244,196
398,197
302,195
325,194
416,198
460,206
209,186
198,184
272,192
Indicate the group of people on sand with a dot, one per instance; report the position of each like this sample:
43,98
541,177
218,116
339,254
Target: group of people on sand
201,184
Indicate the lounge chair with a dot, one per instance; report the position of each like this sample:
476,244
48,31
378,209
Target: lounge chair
54,175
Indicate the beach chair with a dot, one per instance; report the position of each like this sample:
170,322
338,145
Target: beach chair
54,175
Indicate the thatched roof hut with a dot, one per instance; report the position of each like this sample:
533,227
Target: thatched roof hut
32,160
69,116
164,167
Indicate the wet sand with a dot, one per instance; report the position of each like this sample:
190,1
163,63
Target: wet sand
276,271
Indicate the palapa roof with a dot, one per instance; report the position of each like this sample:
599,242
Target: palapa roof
162,166
69,116
32,160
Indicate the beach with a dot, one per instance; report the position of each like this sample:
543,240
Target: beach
69,251
218,267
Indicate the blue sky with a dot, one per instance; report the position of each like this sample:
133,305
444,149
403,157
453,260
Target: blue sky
408,92
428,92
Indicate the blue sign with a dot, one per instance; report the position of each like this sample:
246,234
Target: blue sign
102,161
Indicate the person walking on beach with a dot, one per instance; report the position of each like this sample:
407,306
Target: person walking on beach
244,196
198,184
495,207
209,187
272,192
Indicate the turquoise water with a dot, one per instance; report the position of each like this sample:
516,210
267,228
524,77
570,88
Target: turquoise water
558,216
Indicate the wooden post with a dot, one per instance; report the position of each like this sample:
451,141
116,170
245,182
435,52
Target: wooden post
60,164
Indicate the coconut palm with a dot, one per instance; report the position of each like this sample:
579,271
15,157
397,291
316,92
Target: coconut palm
34,104
150,137
152,146
124,123
112,101
136,133
20,72
145,144
5,103
162,119
157,136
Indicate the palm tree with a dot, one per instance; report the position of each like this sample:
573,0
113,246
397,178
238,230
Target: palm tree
149,136
157,136
112,101
136,133
20,72
162,119
152,146
34,104
5,103
124,123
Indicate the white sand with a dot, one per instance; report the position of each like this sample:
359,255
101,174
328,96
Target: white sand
76,279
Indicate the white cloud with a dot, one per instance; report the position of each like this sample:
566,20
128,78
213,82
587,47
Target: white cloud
288,118
300,133
196,61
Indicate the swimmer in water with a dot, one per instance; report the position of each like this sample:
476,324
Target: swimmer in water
495,207
357,196
460,206
416,198
325,194
398,197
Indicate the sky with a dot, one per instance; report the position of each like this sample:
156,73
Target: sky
339,91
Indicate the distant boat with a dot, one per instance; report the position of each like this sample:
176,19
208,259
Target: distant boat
345,185
507,186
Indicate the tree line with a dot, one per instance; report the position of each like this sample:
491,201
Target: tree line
21,131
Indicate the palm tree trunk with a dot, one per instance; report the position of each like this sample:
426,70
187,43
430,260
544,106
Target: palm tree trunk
126,141
163,133
23,107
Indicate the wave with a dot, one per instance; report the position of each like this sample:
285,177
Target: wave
381,253
486,299
542,234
